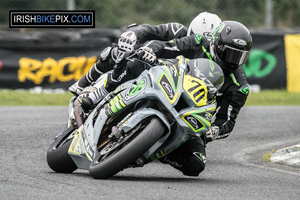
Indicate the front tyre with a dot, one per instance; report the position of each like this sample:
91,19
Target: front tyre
58,158
102,168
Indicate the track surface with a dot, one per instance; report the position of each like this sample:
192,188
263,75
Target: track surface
235,166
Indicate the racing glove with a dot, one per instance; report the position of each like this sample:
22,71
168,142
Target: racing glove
127,41
213,133
146,54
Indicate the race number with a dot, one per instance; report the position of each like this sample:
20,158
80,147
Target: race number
196,89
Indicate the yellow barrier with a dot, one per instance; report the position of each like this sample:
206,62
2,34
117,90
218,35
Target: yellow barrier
292,53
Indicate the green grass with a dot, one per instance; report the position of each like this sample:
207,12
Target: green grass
273,97
24,97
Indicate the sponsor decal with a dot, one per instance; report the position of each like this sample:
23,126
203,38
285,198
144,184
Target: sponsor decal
195,123
245,90
88,148
198,38
200,156
168,89
166,86
228,30
199,120
208,35
121,76
239,42
137,88
174,72
119,102
74,144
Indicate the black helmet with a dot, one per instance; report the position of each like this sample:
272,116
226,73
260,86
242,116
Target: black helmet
231,43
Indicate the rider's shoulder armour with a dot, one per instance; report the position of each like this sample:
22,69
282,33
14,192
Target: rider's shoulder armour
104,55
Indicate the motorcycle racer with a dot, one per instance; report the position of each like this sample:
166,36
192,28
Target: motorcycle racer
229,46
135,36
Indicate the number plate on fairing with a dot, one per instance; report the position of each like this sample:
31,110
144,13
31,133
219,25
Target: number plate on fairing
196,89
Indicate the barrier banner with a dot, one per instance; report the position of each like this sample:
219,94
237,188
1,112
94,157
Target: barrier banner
266,65
48,59
292,51
58,59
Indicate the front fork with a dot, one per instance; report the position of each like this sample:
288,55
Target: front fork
77,110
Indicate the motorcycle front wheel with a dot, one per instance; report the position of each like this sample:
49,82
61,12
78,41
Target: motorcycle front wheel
58,158
115,160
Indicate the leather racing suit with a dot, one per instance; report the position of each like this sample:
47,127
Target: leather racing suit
108,56
233,94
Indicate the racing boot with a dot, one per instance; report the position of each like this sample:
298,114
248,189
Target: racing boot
88,101
88,79
75,88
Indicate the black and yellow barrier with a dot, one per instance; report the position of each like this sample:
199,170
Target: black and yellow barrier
57,59
292,54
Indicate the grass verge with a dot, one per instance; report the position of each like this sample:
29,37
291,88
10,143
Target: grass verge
25,97
273,97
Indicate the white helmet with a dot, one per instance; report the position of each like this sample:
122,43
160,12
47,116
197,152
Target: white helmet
204,24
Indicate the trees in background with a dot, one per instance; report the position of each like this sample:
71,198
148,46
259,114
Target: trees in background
119,13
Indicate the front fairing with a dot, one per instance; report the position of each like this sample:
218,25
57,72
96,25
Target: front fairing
184,89
182,96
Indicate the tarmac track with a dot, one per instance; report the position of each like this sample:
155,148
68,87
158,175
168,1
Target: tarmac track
235,166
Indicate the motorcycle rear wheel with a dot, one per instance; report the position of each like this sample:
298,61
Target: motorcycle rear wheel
58,158
120,158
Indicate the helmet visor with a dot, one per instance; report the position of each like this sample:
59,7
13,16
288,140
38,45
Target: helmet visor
234,56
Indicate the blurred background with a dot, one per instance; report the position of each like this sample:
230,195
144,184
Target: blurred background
56,58
255,14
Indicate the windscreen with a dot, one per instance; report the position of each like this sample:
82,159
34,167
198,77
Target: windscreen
206,70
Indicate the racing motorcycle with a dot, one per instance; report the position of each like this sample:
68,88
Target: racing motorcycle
142,120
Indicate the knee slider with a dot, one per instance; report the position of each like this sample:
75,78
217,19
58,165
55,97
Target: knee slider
193,167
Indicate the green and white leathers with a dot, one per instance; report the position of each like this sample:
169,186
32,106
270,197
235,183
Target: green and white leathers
146,118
